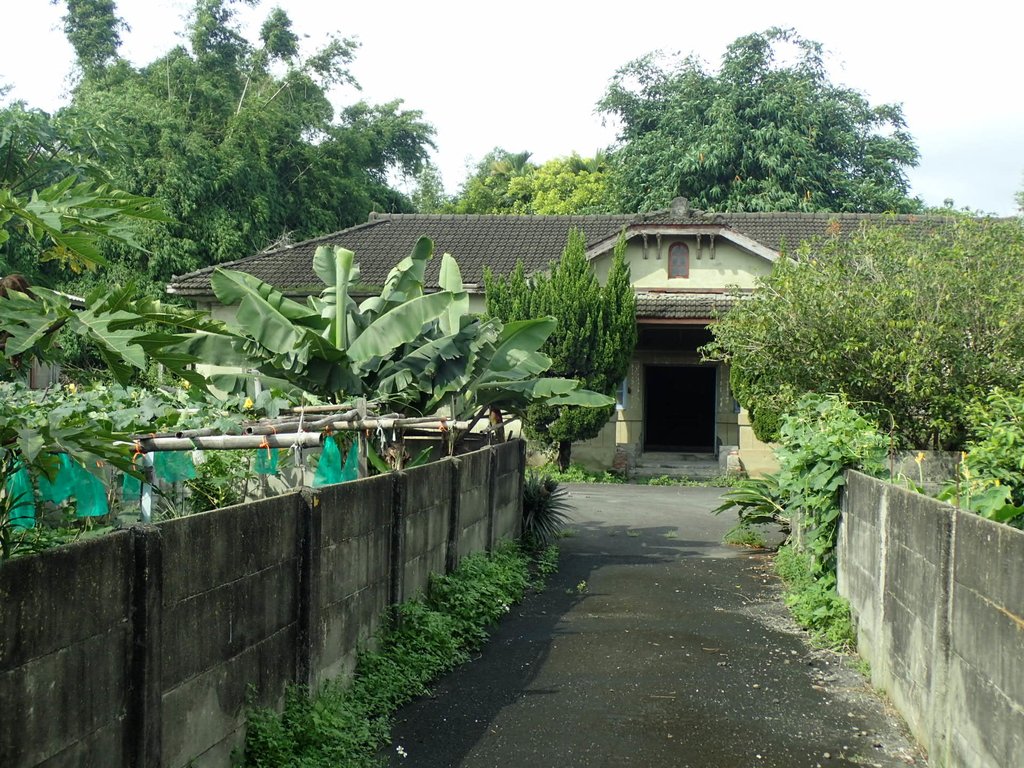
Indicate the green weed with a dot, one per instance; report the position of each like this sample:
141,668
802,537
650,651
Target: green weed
578,474
814,603
744,536
719,481
346,725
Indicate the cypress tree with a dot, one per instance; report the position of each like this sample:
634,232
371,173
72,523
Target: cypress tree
593,341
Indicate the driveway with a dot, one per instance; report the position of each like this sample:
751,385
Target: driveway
654,645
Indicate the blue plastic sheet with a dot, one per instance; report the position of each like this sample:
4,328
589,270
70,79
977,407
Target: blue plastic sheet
63,485
23,508
173,466
266,461
351,469
90,494
328,469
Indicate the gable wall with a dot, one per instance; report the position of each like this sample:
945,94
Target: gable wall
731,265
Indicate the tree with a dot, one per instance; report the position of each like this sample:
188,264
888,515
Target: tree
57,206
508,183
758,135
94,30
429,196
911,325
593,341
487,188
564,186
238,140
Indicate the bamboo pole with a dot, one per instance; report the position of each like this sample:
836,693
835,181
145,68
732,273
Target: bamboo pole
228,442
305,439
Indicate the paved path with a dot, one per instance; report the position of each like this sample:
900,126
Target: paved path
655,645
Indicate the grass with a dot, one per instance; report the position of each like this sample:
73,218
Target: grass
745,536
720,481
346,725
815,604
578,474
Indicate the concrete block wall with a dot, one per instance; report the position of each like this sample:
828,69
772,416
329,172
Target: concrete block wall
350,571
425,522
65,671
143,648
938,595
229,620
473,492
985,697
507,490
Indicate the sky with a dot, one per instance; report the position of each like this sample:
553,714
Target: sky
525,76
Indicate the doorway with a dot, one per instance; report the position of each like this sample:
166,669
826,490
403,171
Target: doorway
679,408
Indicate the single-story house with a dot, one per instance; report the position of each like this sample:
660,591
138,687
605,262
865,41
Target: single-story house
686,266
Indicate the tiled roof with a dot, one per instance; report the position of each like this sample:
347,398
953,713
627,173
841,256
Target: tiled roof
479,241
682,306
475,242
786,231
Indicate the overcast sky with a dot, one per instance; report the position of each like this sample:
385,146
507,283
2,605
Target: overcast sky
526,75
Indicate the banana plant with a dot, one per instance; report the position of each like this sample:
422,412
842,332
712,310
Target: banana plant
413,350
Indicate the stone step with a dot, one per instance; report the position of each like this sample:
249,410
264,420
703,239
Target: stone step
678,465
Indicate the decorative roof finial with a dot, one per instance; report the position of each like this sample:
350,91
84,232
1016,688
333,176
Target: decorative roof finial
680,208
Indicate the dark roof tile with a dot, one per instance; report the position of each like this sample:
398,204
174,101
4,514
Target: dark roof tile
682,306
498,242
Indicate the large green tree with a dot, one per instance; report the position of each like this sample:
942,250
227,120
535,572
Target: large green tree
486,189
912,326
505,182
593,341
238,139
766,132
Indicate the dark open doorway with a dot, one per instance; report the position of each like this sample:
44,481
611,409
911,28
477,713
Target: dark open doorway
679,408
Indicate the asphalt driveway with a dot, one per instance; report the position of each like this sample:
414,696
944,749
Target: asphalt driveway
655,645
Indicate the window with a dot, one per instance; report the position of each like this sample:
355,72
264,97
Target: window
678,260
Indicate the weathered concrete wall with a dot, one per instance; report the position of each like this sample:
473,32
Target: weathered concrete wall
507,490
474,490
65,655
986,650
938,595
229,621
352,526
144,647
425,518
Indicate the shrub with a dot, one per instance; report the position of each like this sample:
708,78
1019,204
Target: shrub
911,321
545,509
815,604
577,473
991,473
758,501
821,439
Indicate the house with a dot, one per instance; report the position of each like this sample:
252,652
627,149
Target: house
687,268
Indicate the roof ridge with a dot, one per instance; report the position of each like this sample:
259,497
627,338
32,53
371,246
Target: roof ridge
378,217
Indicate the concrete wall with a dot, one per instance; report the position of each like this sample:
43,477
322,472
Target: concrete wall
228,620
428,503
64,670
938,595
473,499
507,478
350,571
144,647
